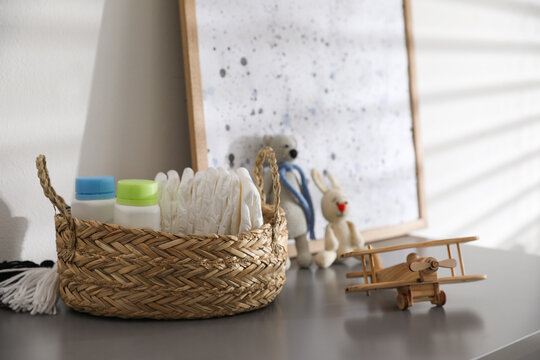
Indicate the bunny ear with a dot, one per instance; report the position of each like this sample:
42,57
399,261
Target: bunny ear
319,181
333,181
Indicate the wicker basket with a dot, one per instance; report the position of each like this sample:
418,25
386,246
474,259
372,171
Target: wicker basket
110,270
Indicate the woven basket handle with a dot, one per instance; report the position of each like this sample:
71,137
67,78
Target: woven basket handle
268,153
58,203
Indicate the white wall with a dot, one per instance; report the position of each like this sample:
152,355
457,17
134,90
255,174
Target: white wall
97,86
478,67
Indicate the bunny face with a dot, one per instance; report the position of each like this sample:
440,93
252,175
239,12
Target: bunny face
335,205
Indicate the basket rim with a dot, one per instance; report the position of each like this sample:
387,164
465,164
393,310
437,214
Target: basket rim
126,229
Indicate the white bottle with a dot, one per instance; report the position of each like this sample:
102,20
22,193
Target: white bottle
137,204
94,198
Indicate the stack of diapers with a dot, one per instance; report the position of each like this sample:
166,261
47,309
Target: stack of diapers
214,201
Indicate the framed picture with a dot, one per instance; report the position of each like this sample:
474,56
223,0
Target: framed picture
337,75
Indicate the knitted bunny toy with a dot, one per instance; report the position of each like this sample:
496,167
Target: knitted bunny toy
341,235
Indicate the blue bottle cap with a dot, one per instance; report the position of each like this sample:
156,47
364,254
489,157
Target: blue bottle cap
94,188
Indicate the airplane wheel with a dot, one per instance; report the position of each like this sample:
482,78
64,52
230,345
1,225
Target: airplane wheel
403,302
442,299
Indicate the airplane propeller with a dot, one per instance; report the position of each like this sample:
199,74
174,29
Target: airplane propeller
432,264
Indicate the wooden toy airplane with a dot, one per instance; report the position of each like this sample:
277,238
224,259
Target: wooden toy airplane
416,279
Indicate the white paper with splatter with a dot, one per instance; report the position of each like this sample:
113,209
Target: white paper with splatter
331,73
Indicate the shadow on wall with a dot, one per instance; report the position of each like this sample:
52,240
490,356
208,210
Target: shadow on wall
243,145
137,117
12,236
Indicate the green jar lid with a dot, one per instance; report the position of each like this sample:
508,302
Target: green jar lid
134,192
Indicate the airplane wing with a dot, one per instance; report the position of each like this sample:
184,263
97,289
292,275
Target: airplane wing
396,284
460,279
410,246
380,285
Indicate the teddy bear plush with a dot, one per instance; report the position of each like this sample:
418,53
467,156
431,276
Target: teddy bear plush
295,198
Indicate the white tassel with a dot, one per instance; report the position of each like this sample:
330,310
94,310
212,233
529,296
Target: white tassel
34,290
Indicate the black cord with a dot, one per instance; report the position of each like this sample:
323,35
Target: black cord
20,265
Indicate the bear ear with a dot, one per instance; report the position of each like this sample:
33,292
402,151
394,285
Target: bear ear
267,139
333,181
319,181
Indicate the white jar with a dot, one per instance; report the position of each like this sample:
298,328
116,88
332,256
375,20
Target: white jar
94,198
137,204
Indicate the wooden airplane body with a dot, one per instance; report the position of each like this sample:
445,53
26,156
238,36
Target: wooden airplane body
415,279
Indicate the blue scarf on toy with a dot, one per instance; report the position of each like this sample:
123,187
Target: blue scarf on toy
303,198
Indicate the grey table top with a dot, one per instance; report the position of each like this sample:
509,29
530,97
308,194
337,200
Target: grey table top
312,318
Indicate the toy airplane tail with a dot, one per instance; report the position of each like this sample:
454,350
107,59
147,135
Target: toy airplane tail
33,290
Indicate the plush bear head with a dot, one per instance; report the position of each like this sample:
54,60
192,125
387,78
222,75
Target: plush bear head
284,146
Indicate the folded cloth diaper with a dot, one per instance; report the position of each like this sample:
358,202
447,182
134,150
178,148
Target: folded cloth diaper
161,179
230,221
173,182
218,204
196,198
250,204
184,202
210,180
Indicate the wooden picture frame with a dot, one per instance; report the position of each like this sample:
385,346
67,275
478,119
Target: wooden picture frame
197,127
